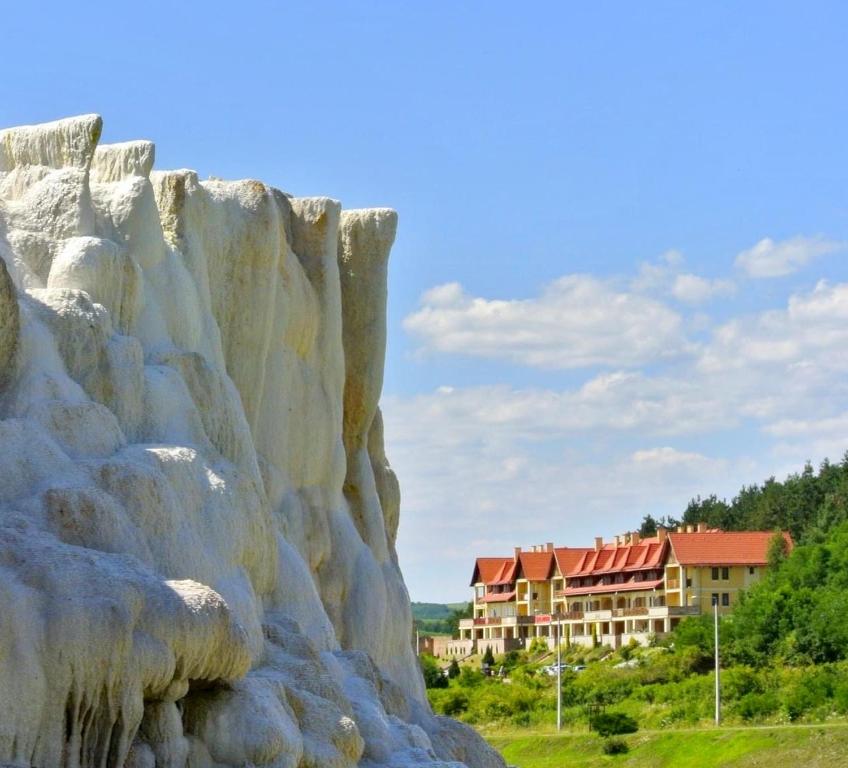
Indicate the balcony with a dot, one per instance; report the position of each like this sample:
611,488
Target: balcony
490,621
569,616
672,584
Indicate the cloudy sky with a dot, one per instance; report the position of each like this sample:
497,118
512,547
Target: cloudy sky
621,273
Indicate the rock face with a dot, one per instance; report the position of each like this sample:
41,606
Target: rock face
197,517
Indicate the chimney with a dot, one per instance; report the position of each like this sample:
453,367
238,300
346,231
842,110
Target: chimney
662,533
635,538
681,529
549,547
702,527
599,543
517,553
690,529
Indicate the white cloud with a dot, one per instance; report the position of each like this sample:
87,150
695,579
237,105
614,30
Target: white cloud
481,480
671,457
806,341
770,258
485,468
577,321
693,289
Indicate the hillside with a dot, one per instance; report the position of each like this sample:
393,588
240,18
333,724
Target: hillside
438,618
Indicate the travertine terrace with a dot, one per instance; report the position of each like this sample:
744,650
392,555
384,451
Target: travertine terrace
197,517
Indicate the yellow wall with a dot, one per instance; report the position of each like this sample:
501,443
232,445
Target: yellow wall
703,585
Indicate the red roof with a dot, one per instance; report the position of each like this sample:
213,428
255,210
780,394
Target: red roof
598,589
505,574
489,570
647,554
536,566
723,547
568,557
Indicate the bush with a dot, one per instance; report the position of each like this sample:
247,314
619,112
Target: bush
454,703
615,747
470,678
755,706
612,723
453,669
799,700
433,677
538,645
488,656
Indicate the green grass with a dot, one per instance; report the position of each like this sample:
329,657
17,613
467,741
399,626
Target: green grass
818,746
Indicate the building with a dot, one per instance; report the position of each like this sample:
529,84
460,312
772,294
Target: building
627,589
444,647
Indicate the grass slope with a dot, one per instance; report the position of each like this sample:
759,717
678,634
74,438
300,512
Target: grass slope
818,746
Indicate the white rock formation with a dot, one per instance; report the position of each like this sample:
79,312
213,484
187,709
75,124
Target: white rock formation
197,518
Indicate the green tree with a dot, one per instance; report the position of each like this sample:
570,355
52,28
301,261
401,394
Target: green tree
433,677
463,613
714,512
777,551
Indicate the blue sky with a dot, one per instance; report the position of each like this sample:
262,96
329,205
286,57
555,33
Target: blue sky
620,274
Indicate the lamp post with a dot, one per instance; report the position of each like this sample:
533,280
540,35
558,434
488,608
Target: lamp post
717,678
559,675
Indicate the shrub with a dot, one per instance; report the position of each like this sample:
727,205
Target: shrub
470,678
454,703
612,723
433,677
738,682
615,747
538,645
453,669
756,706
488,656
627,651
800,699
840,697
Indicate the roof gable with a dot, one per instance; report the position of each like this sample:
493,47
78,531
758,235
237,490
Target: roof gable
535,566
567,558
487,569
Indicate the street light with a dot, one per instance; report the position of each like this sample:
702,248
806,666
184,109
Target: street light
717,678
559,676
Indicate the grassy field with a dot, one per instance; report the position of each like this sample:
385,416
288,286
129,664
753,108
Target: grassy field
815,746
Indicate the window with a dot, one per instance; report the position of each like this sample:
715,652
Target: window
725,574
715,598
715,574
725,599
688,583
751,570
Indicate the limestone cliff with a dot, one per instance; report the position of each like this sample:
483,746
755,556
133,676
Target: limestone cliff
197,517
